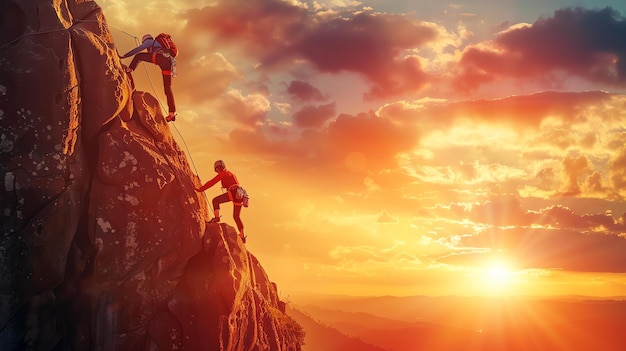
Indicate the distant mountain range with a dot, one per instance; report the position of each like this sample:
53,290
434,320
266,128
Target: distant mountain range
463,323
323,337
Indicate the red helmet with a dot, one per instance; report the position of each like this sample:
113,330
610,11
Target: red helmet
219,165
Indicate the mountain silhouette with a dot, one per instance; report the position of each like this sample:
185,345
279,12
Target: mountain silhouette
473,323
323,337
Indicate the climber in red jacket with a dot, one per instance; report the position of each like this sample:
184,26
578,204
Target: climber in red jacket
234,192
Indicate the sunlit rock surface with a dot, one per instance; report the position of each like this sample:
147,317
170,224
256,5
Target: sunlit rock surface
104,241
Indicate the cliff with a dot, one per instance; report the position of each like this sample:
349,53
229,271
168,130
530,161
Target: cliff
105,244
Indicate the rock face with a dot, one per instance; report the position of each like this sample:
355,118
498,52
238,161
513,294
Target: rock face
104,243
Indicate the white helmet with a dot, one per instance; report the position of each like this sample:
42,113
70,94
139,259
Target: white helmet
219,165
146,37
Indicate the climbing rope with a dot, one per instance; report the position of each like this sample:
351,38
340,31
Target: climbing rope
145,69
163,107
34,33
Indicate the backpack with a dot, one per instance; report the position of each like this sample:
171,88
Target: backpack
167,43
242,194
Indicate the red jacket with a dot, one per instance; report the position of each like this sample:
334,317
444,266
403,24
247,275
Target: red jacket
227,177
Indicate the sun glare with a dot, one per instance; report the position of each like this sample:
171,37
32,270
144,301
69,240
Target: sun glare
498,274
497,278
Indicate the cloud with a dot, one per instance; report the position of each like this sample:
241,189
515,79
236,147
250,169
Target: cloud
501,211
278,33
594,184
304,91
313,116
261,25
206,78
548,248
523,110
376,140
253,141
554,237
617,171
507,211
371,44
448,145
573,169
354,257
385,217
584,43
283,107
528,109
249,110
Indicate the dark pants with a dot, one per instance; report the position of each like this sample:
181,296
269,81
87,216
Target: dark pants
166,66
220,199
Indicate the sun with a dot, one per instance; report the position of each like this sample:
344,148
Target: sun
497,278
498,274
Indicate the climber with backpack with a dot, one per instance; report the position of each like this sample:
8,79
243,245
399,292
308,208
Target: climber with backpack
234,192
161,51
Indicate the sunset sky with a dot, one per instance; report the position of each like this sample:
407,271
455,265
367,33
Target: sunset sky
408,147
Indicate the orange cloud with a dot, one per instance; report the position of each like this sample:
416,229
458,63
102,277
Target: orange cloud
502,211
565,249
574,168
554,237
506,211
524,110
617,171
248,110
377,141
206,78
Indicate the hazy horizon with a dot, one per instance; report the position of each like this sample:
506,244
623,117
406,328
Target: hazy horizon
301,294
462,323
